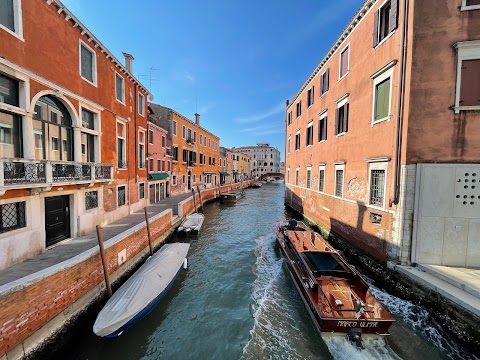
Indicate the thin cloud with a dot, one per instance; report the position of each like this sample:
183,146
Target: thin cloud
280,108
189,76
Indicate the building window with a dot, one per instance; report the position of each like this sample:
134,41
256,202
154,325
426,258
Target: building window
288,176
141,149
121,196
119,88
159,165
141,104
322,128
288,144
339,181
150,165
150,137
174,180
341,118
382,91
201,139
309,139
184,131
91,200
121,147
89,137
321,178
470,5
141,191
310,96
297,140
344,62
163,141
308,181
385,21
377,187
13,216
299,108
289,118
297,176
174,130
324,81
11,17
88,68
467,94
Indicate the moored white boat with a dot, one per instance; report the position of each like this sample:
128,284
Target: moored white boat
191,225
142,291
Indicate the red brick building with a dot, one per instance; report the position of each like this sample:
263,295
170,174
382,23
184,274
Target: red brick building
383,138
72,126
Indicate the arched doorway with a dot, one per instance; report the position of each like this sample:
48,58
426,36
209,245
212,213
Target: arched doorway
53,131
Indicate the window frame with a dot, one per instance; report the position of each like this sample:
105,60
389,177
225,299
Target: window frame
378,21
340,76
323,129
339,167
466,7
21,223
308,177
174,128
140,184
320,169
151,137
324,83
124,137
85,200
309,134
310,96
141,165
17,21
377,80
119,76
466,50
343,101
126,197
297,176
297,140
141,110
94,62
299,108
377,166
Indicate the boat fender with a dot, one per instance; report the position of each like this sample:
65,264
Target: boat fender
185,263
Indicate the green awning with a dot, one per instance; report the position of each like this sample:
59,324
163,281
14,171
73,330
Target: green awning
158,176
209,173
224,173
235,173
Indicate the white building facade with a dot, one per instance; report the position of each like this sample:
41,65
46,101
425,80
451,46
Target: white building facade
266,158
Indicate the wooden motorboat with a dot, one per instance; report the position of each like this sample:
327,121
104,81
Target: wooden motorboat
191,225
232,197
336,295
142,291
256,184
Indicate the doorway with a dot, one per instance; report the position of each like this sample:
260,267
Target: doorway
57,219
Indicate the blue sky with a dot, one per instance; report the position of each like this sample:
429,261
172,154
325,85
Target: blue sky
233,62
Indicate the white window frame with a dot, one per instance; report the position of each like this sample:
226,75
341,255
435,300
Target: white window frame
323,115
339,167
124,137
94,62
184,132
174,128
288,175
297,176
300,137
341,102
122,101
153,137
95,132
140,183
321,82
377,80
141,110
17,21
379,25
126,194
99,197
464,6
289,143
309,169
144,165
340,77
321,168
466,50
377,166
309,125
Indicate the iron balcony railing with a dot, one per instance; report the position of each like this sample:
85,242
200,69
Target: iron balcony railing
190,140
21,172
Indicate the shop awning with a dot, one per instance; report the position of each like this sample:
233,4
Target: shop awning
224,173
209,173
235,173
158,176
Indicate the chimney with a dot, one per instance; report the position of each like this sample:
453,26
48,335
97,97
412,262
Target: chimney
197,119
287,102
128,62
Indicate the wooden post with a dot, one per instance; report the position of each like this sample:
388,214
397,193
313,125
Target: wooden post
104,263
194,200
148,231
200,195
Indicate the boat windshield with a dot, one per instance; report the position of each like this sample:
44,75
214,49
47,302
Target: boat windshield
320,262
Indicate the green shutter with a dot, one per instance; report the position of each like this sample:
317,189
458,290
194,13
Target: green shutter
382,99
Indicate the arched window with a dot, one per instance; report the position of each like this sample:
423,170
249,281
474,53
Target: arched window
52,128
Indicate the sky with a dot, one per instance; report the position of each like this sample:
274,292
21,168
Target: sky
233,62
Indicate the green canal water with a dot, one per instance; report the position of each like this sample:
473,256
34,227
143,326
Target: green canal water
237,301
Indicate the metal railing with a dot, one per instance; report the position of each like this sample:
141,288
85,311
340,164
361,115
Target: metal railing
18,172
63,172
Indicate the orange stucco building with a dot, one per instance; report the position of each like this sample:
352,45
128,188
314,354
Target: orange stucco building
367,131
72,125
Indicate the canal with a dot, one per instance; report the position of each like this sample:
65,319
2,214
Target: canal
237,301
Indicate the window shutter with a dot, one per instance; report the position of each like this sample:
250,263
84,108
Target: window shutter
345,117
327,79
469,85
393,15
375,27
319,130
325,128
336,121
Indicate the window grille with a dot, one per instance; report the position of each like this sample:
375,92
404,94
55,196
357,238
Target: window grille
377,186
13,216
141,191
321,180
121,196
339,183
91,200
309,175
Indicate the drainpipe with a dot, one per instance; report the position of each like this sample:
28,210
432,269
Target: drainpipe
400,110
135,129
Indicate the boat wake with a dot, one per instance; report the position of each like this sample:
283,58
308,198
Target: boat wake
342,349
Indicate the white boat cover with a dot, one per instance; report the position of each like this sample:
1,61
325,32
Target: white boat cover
192,222
141,288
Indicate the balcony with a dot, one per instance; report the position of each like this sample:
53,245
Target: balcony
22,174
190,141
191,163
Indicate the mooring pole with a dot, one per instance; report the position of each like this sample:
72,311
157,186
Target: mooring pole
104,263
148,231
194,200
200,195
